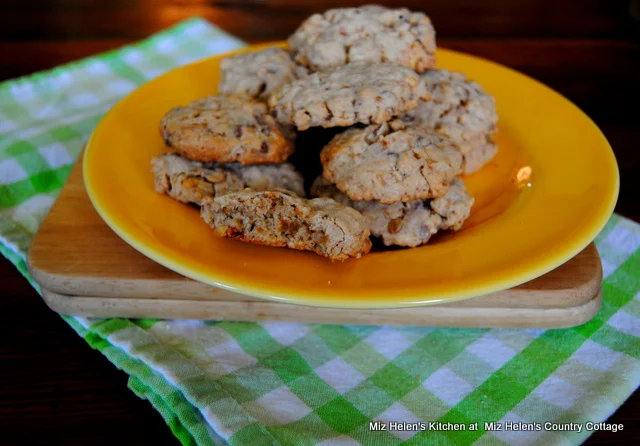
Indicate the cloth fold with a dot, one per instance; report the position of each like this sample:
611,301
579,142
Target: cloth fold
292,384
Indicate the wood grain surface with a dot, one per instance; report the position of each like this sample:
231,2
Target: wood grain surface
55,390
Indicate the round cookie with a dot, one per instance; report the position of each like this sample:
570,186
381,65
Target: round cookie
463,111
371,34
354,93
226,129
191,181
391,162
406,224
257,74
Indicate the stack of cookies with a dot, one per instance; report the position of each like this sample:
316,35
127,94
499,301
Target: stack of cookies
408,132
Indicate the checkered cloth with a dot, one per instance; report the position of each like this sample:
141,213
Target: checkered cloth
293,384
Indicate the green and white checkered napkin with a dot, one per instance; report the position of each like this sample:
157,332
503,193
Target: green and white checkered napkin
294,384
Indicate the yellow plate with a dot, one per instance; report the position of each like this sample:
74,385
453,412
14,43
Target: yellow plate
544,197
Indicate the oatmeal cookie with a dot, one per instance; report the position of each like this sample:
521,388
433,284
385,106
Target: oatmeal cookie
227,129
191,181
280,218
406,224
370,34
355,93
463,111
391,162
257,74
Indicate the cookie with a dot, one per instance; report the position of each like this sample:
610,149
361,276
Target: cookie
355,93
463,111
257,74
477,149
406,224
391,162
191,181
227,129
454,207
280,218
370,34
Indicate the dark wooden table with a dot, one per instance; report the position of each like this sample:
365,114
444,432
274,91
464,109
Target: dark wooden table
55,390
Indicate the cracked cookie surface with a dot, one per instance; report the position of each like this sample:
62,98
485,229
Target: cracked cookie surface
257,74
227,129
370,34
282,219
460,109
355,93
406,224
391,162
191,181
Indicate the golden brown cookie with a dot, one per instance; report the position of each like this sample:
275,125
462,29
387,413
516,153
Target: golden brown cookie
227,129
391,162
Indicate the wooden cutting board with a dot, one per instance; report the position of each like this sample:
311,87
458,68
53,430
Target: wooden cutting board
85,269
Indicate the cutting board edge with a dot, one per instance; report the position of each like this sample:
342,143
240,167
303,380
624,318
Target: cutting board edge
185,289
262,311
